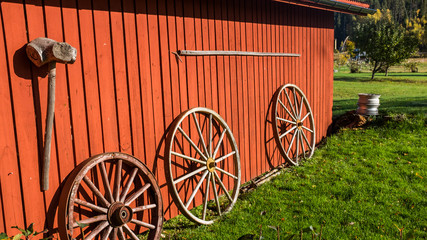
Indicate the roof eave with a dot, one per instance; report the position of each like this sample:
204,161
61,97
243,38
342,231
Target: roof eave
345,7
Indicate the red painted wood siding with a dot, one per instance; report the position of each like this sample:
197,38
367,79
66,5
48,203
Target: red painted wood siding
126,87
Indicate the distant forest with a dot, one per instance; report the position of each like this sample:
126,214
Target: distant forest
400,9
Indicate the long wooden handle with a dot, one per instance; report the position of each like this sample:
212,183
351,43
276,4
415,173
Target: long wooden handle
49,125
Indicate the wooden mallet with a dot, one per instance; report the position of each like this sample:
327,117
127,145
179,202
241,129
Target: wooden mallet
42,51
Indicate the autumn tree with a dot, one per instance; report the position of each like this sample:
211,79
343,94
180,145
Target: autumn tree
385,42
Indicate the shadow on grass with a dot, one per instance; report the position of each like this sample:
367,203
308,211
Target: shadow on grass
355,78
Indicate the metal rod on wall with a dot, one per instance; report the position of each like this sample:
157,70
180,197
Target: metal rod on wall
233,53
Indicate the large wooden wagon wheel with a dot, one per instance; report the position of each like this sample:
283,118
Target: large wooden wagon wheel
293,123
110,196
202,163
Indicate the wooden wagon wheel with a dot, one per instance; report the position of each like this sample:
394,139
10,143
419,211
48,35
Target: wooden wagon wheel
202,161
293,123
110,196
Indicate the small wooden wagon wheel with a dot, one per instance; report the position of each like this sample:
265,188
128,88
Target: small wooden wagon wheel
293,123
110,196
202,163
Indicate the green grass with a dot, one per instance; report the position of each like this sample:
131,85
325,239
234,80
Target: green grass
400,92
364,183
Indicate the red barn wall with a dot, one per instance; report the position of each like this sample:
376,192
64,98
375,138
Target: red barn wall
126,87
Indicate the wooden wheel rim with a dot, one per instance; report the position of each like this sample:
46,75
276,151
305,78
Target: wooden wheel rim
297,123
210,172
106,225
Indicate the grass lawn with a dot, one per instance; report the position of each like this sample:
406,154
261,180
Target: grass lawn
366,183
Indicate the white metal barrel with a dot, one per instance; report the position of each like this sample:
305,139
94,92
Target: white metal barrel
368,104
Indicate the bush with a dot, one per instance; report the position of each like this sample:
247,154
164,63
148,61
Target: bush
355,66
411,66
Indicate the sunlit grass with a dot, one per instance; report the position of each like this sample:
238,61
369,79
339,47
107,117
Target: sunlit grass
365,183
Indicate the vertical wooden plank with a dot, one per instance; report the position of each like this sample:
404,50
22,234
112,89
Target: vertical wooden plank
156,83
2,217
145,78
24,113
10,182
228,117
190,44
219,60
132,70
89,67
233,82
239,82
167,88
199,59
250,90
76,84
206,60
255,90
104,60
120,77
244,79
213,60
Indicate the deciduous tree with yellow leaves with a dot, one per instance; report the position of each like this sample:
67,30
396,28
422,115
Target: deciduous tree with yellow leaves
385,42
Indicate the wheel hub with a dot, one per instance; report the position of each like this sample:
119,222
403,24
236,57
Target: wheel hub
299,124
119,214
210,163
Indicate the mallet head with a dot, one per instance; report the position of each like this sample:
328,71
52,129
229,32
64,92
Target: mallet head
44,50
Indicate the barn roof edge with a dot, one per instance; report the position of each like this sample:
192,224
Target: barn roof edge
347,6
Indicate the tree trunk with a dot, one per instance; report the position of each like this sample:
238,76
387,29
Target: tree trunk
386,71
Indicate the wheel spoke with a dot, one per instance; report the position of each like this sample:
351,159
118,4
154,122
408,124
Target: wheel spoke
227,173
189,175
106,233
306,140
118,179
297,145
91,206
286,109
302,143
296,103
200,134
219,143
90,220
284,120
300,107
96,191
221,184
290,130
216,195
196,189
114,234
307,129
188,158
143,224
206,197
129,232
121,234
128,184
224,157
192,143
290,103
97,230
142,208
290,144
302,120
106,181
137,194
210,135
